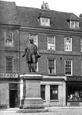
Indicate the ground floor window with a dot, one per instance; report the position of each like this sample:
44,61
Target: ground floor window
43,92
53,92
74,91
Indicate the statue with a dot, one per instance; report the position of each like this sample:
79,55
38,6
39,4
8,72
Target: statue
32,55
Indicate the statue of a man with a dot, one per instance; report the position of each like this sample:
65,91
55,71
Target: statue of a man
32,55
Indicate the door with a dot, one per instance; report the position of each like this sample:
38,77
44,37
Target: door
13,98
13,95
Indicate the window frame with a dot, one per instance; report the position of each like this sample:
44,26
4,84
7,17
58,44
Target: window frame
68,68
44,92
52,45
36,37
7,38
67,44
81,67
81,45
74,24
43,21
56,87
12,70
53,73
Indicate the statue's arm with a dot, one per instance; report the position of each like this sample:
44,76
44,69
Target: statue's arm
24,52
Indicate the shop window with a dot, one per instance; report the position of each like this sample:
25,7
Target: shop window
74,92
53,92
67,44
44,21
51,43
51,66
68,67
43,92
35,38
9,64
8,39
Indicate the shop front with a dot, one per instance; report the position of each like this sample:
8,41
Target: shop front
74,91
9,90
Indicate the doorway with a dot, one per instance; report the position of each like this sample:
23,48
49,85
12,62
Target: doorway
13,96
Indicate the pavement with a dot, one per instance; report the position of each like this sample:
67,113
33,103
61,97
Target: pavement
51,111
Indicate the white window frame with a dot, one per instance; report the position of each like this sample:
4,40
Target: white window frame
44,21
35,38
54,66
81,44
6,38
50,46
37,67
74,24
67,45
12,64
71,68
81,67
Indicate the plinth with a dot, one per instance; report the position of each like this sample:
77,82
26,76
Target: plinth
32,95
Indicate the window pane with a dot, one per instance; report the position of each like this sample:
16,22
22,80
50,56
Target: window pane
68,44
68,67
8,39
8,64
51,43
44,21
74,92
35,38
53,92
52,66
81,45
43,92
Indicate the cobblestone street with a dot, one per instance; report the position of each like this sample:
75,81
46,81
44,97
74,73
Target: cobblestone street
52,111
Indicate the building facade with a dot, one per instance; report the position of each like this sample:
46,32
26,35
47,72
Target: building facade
58,36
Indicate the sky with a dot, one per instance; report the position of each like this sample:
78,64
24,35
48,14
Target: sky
71,6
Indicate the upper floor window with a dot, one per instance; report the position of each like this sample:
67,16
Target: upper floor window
35,38
68,67
51,43
44,21
67,44
9,64
81,68
8,39
74,24
51,66
81,44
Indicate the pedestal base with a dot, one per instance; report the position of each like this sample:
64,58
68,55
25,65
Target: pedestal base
32,100
33,103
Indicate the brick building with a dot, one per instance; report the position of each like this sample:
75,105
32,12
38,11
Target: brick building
58,37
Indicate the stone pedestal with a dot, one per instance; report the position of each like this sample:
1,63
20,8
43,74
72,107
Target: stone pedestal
32,96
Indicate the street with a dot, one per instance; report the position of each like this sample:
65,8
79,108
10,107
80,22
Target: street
52,111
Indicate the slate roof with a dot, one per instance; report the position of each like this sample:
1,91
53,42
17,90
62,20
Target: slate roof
29,17
59,20
8,13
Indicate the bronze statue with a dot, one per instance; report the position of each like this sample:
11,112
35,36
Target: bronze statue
32,55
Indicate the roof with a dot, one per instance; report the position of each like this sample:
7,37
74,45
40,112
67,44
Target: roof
8,13
30,17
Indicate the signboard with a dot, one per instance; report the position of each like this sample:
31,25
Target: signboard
74,78
8,75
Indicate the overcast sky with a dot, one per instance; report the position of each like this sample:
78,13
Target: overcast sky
74,6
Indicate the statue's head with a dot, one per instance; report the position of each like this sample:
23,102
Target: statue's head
31,40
